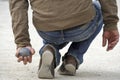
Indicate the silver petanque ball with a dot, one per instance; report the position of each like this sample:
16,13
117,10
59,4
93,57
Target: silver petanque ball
24,52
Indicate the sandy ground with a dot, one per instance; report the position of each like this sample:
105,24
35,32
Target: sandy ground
98,64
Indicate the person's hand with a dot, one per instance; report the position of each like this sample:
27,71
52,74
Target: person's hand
25,59
110,38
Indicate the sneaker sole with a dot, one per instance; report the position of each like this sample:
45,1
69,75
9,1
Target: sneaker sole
44,71
71,69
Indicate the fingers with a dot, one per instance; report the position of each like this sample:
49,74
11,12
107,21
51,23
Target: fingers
25,59
20,58
29,58
104,42
112,44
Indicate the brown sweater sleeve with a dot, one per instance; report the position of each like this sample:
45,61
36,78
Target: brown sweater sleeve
19,14
110,11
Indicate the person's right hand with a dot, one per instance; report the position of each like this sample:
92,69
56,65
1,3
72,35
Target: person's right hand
110,38
25,59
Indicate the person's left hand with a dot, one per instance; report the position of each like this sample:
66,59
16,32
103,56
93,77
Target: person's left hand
110,38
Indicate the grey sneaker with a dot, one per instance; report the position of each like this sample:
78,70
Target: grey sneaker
47,63
68,66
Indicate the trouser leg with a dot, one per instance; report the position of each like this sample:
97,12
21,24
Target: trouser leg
78,49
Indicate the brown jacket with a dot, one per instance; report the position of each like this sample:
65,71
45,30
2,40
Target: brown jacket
50,15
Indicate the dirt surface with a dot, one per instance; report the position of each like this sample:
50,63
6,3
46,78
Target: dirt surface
98,64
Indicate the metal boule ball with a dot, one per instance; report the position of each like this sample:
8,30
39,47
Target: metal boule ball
24,52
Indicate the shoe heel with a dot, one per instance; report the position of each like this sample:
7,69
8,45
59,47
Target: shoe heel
45,70
71,68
